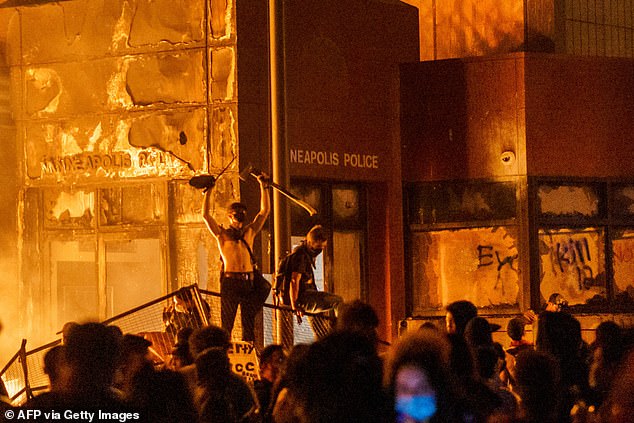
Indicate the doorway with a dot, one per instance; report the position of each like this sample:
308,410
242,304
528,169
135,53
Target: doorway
342,211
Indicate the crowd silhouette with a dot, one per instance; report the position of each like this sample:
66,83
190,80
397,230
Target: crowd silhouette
452,372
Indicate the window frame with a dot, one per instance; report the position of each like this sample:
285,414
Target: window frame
410,229
99,233
608,221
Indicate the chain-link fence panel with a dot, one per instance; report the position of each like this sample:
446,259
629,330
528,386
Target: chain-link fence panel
24,375
14,378
275,325
159,321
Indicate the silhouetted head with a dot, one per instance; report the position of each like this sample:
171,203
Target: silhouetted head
339,379
316,240
208,337
213,366
609,337
163,397
92,353
478,332
134,344
272,361
237,213
66,329
559,334
515,328
54,360
359,317
458,315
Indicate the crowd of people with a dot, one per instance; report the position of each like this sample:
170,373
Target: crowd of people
453,373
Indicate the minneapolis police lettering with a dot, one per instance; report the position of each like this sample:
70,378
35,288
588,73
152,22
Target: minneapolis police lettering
332,158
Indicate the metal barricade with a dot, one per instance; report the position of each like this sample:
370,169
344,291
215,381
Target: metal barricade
277,324
159,321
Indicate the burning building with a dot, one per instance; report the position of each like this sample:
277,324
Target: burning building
110,107
437,180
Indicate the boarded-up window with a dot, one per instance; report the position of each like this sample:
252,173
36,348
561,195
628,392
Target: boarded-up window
623,200
347,267
568,200
623,262
451,202
478,264
572,264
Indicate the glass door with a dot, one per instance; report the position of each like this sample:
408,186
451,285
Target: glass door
74,280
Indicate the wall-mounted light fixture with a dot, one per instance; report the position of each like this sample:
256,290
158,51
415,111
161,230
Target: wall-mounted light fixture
507,157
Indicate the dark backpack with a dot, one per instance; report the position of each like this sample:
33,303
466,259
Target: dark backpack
282,280
283,276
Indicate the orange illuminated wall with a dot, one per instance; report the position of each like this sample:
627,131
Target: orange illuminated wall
341,79
121,101
460,28
560,116
460,115
579,116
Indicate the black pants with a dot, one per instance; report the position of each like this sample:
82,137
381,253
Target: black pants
234,292
313,301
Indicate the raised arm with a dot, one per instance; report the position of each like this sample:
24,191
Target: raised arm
213,226
265,204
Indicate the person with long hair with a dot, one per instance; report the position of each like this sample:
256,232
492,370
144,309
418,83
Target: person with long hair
419,380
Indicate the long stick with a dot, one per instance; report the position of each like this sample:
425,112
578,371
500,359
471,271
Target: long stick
310,209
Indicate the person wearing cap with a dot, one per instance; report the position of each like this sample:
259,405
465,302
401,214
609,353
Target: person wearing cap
235,243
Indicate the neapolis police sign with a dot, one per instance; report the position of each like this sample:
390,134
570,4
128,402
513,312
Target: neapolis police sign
336,159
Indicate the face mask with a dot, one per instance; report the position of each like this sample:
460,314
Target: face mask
240,216
418,407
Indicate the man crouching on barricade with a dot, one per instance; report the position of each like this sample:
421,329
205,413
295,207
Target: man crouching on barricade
303,293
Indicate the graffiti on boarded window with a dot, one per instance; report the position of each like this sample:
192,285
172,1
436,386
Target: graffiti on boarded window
479,265
572,264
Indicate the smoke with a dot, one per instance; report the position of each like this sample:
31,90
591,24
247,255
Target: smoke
9,309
